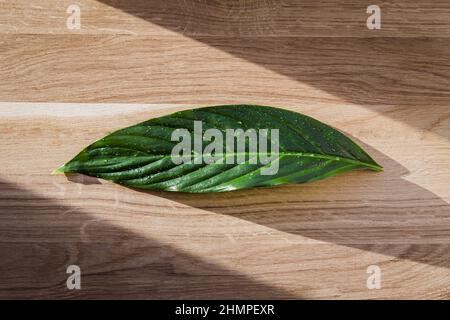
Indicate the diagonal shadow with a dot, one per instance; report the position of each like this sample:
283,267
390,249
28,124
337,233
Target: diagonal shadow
39,238
409,72
375,212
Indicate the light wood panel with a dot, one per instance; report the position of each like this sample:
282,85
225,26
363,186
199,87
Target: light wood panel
388,88
304,241
311,18
81,68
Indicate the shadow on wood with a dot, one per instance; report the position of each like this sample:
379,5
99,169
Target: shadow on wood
410,72
40,238
377,212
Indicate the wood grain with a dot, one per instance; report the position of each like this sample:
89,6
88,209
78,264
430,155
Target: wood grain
192,18
61,89
305,241
83,68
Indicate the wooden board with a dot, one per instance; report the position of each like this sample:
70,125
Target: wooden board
132,60
281,71
304,241
249,18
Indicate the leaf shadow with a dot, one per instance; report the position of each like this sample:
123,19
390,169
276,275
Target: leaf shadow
81,179
376,212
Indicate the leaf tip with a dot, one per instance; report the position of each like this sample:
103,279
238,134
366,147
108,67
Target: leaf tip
377,168
59,170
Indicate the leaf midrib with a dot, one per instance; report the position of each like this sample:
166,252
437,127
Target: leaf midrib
300,154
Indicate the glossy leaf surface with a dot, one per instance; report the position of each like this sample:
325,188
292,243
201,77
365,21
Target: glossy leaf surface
140,156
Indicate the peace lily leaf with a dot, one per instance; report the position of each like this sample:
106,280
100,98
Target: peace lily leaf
141,156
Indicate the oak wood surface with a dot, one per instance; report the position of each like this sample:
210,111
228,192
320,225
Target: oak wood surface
61,89
255,18
305,241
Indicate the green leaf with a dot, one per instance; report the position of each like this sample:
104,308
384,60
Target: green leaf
140,156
